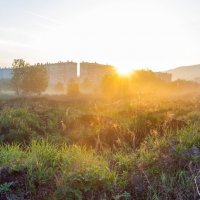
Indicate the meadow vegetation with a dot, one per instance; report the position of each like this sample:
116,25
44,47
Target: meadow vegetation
137,139
89,148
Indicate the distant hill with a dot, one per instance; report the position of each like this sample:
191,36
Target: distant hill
186,72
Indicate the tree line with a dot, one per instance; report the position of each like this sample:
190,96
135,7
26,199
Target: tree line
33,79
28,79
144,82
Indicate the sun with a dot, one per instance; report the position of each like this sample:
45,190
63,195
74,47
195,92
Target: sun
124,71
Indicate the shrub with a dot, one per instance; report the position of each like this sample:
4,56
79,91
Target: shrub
73,88
18,125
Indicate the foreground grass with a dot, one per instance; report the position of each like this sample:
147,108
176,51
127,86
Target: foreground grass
163,167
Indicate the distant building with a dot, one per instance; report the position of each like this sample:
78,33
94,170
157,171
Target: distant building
5,73
94,71
61,72
164,76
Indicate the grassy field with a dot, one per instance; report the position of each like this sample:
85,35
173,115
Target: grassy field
56,147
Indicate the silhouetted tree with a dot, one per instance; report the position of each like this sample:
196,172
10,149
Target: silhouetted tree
145,81
59,87
19,66
110,85
73,88
35,79
87,85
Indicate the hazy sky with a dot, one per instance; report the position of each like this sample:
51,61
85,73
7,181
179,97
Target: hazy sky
155,34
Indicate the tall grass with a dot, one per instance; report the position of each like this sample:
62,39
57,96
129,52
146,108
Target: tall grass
74,172
142,153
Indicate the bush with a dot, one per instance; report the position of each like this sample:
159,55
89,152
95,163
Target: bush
73,88
18,125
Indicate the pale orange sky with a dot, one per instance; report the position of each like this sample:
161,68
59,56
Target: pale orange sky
129,34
